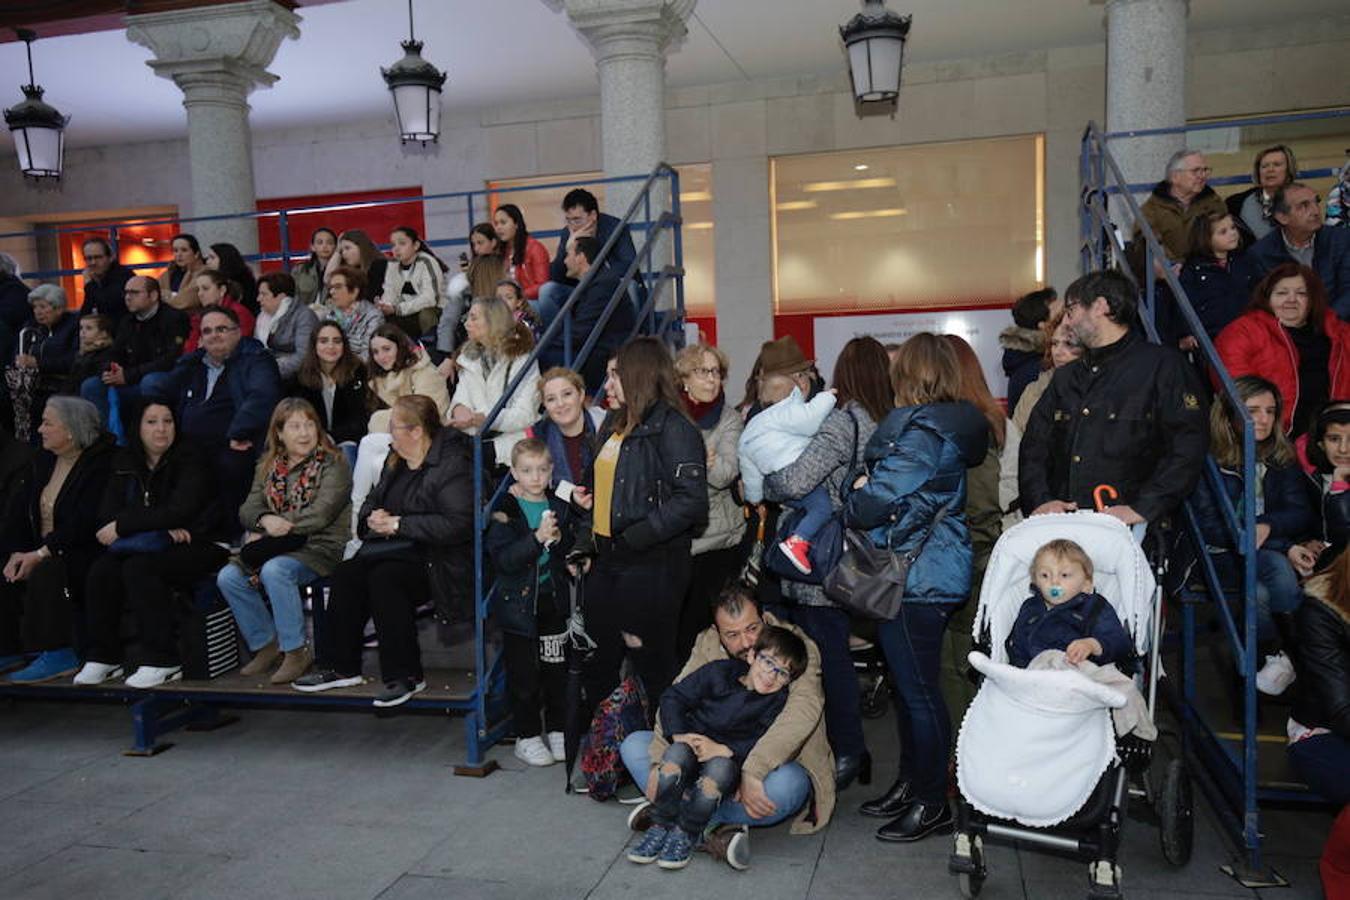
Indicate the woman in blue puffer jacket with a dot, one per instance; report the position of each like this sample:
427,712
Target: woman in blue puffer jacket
917,461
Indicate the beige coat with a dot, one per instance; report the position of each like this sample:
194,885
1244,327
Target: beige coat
419,378
186,298
797,734
726,521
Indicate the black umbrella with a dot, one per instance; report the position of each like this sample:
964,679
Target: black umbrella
579,650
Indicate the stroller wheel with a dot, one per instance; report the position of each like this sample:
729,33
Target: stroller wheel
876,696
1104,880
967,864
1176,814
970,884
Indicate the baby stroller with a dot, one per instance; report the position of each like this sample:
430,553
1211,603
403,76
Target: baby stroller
1038,760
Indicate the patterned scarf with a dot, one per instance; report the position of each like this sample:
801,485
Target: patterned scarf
282,498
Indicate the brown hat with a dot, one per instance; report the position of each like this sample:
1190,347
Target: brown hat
782,357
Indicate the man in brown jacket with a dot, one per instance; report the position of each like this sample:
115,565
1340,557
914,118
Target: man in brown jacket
790,769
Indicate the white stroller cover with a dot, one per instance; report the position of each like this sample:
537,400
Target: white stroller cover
1034,743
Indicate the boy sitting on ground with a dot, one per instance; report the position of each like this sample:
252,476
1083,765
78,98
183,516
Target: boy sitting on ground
714,715
1063,612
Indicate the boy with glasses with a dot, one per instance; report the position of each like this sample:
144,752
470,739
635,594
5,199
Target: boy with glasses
715,716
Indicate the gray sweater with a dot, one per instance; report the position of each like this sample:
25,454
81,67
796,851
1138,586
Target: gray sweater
829,458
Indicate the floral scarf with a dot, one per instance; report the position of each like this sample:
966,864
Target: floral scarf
283,498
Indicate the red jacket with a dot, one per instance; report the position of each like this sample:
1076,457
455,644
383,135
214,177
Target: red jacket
533,272
1255,344
195,330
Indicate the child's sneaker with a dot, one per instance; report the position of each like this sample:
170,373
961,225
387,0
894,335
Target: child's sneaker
557,746
731,844
652,845
679,847
533,751
1276,675
796,550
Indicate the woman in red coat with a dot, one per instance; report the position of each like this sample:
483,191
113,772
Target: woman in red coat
1290,336
526,259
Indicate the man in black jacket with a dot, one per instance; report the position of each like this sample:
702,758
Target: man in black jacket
586,314
149,339
1129,414
104,280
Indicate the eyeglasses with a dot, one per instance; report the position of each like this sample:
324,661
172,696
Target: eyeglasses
1199,170
576,220
219,329
705,372
773,668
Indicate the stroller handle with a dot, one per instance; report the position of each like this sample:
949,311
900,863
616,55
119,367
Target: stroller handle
1103,491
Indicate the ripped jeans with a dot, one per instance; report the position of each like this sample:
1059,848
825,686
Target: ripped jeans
688,792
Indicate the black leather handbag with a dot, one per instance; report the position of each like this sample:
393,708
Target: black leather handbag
869,580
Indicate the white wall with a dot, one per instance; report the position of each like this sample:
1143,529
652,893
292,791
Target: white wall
737,127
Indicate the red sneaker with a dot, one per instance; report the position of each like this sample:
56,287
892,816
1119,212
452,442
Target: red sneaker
796,550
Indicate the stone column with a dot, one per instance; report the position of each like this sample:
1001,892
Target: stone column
1145,82
630,39
217,55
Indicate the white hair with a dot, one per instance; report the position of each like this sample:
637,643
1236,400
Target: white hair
51,294
1174,164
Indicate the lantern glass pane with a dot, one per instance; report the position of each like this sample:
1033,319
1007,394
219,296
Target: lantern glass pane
862,74
419,112
885,53
39,150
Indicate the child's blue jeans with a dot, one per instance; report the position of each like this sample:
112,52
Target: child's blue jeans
816,511
689,796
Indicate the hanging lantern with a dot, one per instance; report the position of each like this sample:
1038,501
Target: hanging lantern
39,129
875,39
416,86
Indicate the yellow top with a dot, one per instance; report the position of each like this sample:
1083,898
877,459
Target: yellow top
605,463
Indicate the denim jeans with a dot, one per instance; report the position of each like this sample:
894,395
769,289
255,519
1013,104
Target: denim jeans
281,578
788,786
1277,589
816,511
1323,761
96,392
689,796
829,627
912,643
552,296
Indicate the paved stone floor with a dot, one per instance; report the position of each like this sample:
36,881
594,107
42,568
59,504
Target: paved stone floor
337,805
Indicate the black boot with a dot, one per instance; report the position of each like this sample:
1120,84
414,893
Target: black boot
847,768
917,822
896,800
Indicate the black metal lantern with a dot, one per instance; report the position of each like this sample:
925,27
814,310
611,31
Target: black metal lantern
416,86
39,129
875,39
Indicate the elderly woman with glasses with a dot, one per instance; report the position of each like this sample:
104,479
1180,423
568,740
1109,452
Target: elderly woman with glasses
702,369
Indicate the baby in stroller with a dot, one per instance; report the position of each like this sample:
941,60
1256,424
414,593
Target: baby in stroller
1064,613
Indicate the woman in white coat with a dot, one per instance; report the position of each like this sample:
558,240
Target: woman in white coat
493,355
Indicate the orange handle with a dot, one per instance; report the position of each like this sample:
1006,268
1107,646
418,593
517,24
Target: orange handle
1103,490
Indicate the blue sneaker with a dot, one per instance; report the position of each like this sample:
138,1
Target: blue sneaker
649,848
48,665
14,662
679,847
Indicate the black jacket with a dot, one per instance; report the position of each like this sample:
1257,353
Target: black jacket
1288,508
14,308
515,560
437,515
179,493
1023,353
1323,697
58,346
351,410
16,468
1129,415
1218,294
150,345
106,297
660,490
75,517
712,701
86,365
587,311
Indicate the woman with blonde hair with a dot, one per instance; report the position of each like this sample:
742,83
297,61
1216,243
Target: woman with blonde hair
296,519
567,427
912,498
494,354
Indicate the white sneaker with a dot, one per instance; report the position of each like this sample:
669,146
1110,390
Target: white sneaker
533,751
1276,675
97,673
154,676
556,746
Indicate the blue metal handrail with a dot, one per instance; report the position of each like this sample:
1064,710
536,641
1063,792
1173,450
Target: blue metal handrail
1102,244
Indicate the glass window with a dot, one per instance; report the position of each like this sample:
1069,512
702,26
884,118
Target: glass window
544,218
920,226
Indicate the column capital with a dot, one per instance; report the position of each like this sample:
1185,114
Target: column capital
615,29
215,53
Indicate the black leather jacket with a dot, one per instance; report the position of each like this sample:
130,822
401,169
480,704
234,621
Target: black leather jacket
660,482
1323,698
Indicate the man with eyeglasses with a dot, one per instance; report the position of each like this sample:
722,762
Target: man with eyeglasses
1301,238
582,218
148,340
223,394
786,766
1178,200
105,280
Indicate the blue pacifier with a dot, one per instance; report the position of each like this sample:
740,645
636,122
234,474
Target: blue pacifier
1056,592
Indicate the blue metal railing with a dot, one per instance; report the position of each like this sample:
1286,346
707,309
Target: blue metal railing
1232,774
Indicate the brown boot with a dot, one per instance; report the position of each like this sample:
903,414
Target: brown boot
262,660
296,663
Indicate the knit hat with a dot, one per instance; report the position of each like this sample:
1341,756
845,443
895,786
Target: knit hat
782,357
